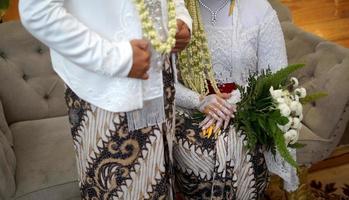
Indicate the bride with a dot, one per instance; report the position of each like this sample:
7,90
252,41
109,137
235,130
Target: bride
228,42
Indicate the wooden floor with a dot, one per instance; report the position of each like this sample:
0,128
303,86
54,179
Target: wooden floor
324,18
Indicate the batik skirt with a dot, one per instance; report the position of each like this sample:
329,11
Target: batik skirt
216,168
115,163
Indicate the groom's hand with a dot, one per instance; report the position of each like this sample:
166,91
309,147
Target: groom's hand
141,59
182,36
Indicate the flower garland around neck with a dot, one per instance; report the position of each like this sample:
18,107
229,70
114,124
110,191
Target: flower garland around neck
195,64
150,32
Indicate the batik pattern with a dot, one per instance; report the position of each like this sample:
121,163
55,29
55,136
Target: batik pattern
216,168
115,163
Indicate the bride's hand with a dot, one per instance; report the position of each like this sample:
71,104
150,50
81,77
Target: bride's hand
212,118
216,107
209,121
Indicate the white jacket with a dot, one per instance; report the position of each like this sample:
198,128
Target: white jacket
90,49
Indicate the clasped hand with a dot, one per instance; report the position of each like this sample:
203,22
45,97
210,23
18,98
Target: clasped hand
142,55
217,111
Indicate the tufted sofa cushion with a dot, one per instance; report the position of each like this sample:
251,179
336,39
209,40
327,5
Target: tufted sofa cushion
46,167
37,159
327,70
7,160
29,87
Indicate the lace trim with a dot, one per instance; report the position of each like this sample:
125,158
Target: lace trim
277,165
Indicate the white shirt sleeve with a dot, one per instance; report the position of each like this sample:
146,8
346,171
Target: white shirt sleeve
271,44
183,14
50,22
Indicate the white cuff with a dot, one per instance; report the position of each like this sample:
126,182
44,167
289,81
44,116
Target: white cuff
125,61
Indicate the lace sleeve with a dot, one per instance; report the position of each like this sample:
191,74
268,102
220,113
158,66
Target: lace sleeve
186,98
271,44
272,54
278,166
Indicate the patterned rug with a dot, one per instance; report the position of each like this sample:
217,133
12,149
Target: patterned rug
331,183
327,180
331,191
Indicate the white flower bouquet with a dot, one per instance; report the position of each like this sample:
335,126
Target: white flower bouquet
270,111
288,102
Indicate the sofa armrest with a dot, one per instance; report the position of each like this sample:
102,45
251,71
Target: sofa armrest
284,14
327,70
4,126
345,139
7,159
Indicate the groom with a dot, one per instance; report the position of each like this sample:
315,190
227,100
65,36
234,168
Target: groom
119,87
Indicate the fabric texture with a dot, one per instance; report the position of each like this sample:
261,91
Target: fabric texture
219,168
93,54
326,71
7,159
45,158
29,88
251,40
7,168
4,126
116,163
66,191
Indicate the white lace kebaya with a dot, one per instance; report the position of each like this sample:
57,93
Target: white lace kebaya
249,40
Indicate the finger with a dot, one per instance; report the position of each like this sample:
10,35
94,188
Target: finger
181,44
213,115
208,124
183,33
143,44
226,123
226,104
145,76
147,55
216,107
180,24
234,108
178,48
207,118
146,66
146,63
218,126
225,110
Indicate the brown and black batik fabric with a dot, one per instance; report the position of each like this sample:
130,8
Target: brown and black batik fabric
216,168
115,163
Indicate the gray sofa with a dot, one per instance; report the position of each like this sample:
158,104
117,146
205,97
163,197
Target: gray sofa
36,151
327,70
